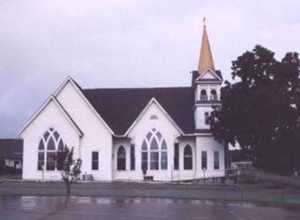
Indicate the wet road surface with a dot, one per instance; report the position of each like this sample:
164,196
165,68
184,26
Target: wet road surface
88,208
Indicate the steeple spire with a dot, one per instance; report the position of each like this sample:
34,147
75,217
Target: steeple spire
206,60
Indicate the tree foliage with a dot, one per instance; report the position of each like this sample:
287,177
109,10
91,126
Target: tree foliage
71,168
261,111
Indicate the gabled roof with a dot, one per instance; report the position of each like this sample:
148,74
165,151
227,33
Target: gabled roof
209,72
153,101
121,107
61,109
68,117
196,78
79,90
11,148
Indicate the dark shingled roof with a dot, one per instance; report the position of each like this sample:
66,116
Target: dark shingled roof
120,107
11,148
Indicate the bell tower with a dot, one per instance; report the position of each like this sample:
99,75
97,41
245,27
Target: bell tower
206,82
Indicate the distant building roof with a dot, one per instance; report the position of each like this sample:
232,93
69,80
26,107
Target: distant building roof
11,148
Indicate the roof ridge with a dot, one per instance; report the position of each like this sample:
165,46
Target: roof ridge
139,88
11,139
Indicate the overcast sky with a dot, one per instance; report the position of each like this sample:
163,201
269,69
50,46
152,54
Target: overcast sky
126,43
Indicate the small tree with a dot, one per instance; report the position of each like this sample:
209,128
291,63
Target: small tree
71,168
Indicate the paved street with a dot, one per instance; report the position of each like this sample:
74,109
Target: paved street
156,190
88,208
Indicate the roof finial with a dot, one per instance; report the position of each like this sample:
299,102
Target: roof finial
204,21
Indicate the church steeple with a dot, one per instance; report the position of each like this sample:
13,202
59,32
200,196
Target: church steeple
206,60
206,82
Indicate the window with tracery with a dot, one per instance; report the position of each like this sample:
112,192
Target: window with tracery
49,146
154,151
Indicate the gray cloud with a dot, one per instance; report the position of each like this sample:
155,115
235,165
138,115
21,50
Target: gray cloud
125,43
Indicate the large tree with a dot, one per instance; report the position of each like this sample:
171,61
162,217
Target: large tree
261,111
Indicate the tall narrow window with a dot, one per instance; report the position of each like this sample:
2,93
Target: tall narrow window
154,158
50,165
176,156
216,160
144,160
121,161
154,151
188,157
49,148
164,160
154,155
95,160
41,156
41,160
145,155
163,155
204,160
206,118
203,95
132,157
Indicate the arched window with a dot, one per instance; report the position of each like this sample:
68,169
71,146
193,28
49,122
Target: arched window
213,95
154,151
50,144
188,158
121,164
203,95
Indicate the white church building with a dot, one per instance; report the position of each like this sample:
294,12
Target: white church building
161,134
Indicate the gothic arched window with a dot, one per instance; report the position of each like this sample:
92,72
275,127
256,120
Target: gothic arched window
213,95
154,151
188,158
121,158
50,144
203,95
